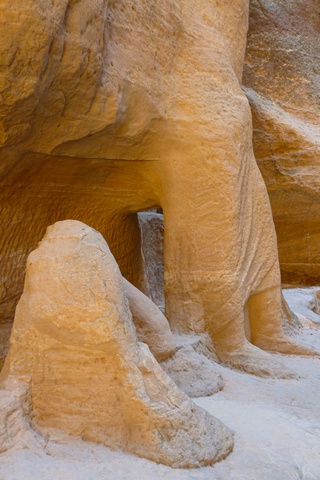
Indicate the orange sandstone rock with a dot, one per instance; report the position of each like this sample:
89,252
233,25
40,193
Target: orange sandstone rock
74,343
151,325
282,78
110,108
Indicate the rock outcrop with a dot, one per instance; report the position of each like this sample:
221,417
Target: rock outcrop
281,76
151,325
110,108
74,343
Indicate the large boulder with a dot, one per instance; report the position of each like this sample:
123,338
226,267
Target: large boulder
74,343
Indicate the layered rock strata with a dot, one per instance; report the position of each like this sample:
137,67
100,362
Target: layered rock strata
74,343
281,76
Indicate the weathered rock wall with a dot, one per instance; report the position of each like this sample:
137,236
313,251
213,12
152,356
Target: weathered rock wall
282,78
113,107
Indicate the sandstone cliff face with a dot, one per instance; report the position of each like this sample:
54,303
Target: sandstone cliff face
75,345
282,79
113,107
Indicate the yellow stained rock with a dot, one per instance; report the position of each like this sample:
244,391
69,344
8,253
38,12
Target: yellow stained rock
282,78
132,105
74,343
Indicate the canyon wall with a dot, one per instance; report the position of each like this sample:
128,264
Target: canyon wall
281,77
115,107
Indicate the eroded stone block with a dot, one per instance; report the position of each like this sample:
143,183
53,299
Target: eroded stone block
75,344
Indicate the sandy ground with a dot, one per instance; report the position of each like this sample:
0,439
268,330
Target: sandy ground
276,426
